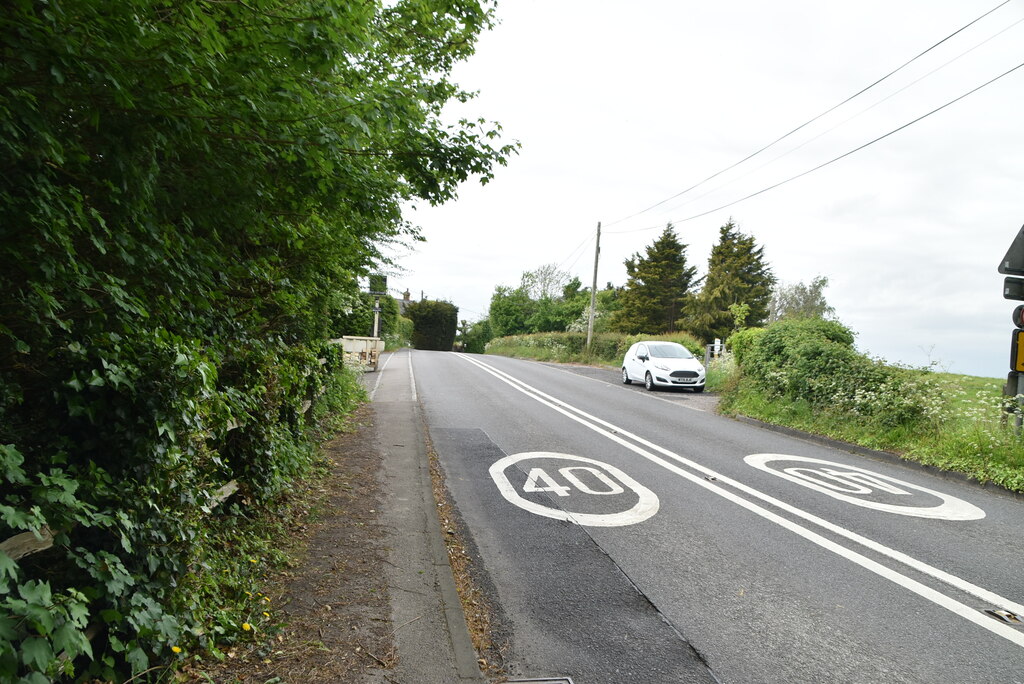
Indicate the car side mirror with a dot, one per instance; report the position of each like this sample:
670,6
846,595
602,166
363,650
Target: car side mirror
643,357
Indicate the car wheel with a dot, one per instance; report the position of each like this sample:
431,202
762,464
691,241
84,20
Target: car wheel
699,389
625,377
649,382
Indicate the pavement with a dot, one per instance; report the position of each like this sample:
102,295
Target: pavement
431,637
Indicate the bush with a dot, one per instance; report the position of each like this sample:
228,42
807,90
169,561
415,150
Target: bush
434,324
814,360
742,343
567,347
401,336
475,339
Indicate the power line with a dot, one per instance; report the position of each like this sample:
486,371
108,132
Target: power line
579,248
835,159
807,123
851,118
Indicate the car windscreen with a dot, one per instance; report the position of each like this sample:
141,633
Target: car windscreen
670,351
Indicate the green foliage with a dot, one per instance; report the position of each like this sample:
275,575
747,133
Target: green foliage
564,347
813,360
510,311
737,274
568,347
357,318
741,344
657,288
402,334
190,192
800,301
434,324
474,338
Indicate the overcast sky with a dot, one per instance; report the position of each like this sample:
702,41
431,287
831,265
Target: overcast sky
620,106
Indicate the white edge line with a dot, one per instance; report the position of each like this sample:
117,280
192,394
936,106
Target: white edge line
412,378
380,375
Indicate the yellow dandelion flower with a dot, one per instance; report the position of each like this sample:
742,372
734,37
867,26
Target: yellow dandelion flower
253,560
176,649
246,626
266,613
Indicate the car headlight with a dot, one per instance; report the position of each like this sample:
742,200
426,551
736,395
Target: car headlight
661,366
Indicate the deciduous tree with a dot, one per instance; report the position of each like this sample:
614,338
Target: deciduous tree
800,301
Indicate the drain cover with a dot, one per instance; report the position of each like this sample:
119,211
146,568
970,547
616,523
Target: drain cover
544,680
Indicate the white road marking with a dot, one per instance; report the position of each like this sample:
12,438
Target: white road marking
646,505
412,377
616,434
380,375
951,507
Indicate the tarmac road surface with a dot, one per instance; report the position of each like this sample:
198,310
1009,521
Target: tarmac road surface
630,536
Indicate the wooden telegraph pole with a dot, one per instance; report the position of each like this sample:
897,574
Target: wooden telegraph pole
593,290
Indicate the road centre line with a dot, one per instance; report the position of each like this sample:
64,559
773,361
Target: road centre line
618,435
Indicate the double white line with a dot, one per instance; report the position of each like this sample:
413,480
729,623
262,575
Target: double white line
672,462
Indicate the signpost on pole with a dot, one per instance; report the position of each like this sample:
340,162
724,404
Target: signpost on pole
378,288
1012,266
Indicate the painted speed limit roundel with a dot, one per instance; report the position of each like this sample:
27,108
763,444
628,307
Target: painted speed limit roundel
576,489
865,488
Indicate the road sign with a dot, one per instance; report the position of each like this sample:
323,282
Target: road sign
1018,316
378,284
1013,288
1013,262
1017,351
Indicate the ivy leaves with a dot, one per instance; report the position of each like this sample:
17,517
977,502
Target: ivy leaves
191,192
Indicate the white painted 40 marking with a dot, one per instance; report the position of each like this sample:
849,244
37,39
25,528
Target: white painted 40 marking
592,478
539,475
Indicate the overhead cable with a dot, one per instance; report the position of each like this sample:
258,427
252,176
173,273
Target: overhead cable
835,159
809,122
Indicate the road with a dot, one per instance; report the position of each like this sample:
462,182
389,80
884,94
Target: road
627,536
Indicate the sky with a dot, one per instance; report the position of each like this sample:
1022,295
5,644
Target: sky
622,106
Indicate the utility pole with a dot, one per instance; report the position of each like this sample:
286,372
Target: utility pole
593,289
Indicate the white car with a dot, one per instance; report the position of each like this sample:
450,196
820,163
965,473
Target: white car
662,364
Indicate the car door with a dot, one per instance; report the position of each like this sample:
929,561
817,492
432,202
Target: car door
637,368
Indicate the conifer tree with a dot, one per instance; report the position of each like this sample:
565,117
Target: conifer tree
657,287
737,274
